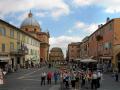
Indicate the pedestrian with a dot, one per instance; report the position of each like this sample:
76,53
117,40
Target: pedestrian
43,77
1,77
83,79
116,76
49,77
67,80
94,81
77,80
56,76
73,80
99,76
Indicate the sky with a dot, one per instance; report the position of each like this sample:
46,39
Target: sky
66,20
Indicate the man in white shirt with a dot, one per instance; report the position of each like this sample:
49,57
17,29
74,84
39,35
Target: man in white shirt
43,77
94,81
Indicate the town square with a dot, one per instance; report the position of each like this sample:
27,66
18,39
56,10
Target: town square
59,45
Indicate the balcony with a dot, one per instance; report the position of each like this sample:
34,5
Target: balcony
22,51
18,52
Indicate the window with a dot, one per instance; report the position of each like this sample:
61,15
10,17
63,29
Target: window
26,29
11,46
35,30
31,51
18,36
18,45
110,26
3,31
12,33
3,47
108,45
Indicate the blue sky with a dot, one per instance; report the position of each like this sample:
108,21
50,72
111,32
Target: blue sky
67,20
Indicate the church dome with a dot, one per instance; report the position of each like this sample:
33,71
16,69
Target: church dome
30,21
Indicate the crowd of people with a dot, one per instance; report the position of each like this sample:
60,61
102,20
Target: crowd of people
82,79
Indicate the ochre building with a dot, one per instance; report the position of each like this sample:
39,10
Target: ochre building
17,47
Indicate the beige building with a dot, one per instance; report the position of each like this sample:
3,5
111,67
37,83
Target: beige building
31,26
56,54
73,51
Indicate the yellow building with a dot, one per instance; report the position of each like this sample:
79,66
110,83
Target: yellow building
17,46
31,26
56,54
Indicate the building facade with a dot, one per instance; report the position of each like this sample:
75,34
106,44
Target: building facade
31,26
56,54
17,46
104,44
73,51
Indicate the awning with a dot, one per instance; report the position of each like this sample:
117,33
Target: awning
88,60
78,59
105,57
4,59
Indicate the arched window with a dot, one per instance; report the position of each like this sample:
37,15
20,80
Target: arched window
26,29
35,30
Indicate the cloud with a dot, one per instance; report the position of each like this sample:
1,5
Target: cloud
81,26
58,6
110,6
63,41
83,2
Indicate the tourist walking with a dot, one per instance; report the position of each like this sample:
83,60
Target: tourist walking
67,80
83,79
73,80
77,84
43,77
94,81
116,76
49,77
56,75
99,76
1,77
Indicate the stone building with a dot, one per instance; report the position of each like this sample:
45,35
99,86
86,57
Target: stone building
73,51
56,54
31,26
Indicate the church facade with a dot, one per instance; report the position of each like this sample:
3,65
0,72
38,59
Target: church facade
31,26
